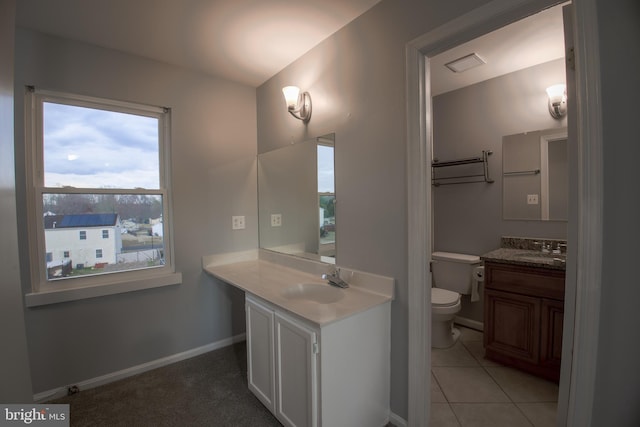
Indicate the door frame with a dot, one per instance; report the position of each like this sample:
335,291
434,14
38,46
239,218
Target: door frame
584,262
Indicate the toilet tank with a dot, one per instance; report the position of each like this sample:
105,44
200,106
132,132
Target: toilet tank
453,271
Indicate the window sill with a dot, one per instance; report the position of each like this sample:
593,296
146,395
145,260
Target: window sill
35,299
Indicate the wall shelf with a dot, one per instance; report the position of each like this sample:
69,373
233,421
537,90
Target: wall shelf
470,175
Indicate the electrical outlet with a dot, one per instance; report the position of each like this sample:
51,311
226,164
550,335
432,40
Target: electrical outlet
276,220
237,222
532,199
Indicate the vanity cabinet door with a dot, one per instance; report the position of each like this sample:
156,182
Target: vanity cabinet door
261,353
523,316
551,333
513,330
296,373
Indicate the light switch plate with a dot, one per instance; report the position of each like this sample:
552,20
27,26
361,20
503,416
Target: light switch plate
276,220
237,222
532,199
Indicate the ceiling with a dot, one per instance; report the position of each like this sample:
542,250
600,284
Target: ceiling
531,41
249,41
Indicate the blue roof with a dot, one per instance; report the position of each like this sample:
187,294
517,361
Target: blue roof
85,220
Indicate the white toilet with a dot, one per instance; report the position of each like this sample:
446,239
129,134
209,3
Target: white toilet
452,275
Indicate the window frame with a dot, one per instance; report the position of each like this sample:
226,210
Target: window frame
44,291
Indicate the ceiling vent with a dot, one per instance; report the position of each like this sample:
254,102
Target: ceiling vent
465,63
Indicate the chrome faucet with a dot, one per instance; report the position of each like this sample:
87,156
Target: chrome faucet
334,279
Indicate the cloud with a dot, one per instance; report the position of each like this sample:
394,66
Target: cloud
326,178
85,146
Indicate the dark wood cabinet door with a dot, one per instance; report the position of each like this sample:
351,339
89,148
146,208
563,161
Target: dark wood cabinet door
512,325
551,333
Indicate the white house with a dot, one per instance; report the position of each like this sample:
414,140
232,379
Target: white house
157,227
85,239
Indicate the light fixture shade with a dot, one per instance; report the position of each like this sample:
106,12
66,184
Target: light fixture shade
298,104
557,100
291,94
556,90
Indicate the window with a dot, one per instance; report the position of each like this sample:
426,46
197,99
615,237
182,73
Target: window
104,173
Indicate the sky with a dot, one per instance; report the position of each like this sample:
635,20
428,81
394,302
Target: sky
325,169
90,148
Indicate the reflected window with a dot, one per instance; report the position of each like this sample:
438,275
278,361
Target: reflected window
326,194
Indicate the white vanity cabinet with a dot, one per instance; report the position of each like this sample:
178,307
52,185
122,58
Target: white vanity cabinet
282,364
261,353
310,375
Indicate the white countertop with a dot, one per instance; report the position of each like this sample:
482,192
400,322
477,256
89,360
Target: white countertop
268,280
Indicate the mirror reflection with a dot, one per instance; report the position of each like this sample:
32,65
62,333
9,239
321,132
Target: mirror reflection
296,199
535,175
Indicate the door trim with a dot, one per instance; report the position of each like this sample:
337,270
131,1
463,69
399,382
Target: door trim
579,354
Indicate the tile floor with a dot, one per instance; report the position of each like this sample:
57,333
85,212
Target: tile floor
468,390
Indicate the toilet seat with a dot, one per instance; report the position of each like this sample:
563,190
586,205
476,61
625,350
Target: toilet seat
444,298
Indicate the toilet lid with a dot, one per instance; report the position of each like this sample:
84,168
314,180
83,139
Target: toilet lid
443,297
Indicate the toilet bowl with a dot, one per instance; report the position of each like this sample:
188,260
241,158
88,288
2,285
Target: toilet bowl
452,276
444,307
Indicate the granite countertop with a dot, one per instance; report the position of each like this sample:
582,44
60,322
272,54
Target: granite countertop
526,257
270,281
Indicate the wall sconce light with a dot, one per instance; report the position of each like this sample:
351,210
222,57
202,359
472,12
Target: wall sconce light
298,104
557,101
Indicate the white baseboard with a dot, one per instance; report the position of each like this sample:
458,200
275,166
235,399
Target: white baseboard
397,421
469,323
134,370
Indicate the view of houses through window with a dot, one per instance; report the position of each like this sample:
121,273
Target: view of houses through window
98,233
102,195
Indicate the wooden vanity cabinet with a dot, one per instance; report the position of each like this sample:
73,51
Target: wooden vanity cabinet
523,317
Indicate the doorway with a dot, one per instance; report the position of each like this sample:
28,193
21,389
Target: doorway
583,265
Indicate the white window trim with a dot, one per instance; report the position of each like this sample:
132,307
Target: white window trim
43,292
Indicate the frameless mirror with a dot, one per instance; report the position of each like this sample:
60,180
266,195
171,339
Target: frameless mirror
296,199
535,175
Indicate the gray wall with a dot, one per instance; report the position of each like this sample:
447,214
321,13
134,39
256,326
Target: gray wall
288,185
617,379
214,178
468,218
15,386
356,79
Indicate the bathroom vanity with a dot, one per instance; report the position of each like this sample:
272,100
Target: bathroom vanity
524,309
317,355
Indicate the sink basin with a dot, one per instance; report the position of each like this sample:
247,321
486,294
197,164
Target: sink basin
318,292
